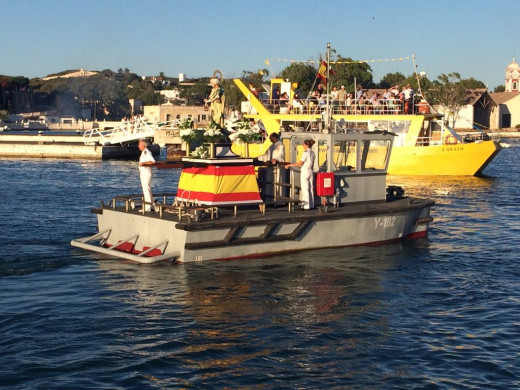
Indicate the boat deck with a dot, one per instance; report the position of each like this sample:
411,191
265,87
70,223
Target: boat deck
200,217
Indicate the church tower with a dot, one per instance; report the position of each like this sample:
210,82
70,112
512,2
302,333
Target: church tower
513,77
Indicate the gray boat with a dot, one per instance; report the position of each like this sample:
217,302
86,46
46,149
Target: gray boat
216,214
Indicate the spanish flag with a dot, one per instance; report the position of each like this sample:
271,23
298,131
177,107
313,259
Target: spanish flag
322,72
219,185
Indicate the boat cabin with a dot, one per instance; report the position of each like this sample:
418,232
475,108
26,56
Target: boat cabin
356,162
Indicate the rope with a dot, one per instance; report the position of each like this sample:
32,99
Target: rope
341,62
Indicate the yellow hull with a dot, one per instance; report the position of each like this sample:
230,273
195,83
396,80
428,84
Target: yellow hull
435,160
450,160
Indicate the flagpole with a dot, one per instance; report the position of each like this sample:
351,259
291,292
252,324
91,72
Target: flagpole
327,111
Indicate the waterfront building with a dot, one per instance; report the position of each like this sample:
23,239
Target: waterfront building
168,112
513,77
507,113
476,113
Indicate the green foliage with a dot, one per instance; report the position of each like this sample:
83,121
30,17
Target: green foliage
256,77
500,88
344,74
233,95
471,83
195,94
3,114
391,80
10,83
449,92
302,74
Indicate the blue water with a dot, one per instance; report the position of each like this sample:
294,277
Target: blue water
442,313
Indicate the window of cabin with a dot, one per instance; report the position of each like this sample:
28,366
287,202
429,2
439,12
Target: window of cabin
374,154
345,155
401,129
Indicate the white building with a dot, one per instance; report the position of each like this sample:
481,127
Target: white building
513,77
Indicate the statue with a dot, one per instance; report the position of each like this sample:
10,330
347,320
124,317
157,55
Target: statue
215,102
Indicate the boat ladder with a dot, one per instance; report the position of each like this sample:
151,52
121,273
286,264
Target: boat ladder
141,257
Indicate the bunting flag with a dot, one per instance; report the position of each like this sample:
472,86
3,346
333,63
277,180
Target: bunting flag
344,62
219,185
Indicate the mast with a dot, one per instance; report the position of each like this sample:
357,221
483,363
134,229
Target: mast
327,109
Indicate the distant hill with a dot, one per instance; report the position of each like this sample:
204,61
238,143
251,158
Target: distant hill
71,73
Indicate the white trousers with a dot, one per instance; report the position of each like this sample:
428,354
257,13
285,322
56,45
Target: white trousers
146,184
307,189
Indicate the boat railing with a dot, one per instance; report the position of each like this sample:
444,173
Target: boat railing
356,107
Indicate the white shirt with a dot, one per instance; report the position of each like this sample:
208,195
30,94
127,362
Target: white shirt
308,157
146,156
276,151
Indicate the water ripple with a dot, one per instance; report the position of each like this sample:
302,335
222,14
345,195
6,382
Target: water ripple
440,313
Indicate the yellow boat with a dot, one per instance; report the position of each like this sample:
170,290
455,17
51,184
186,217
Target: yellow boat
424,144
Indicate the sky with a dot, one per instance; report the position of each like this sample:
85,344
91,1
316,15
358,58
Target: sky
476,38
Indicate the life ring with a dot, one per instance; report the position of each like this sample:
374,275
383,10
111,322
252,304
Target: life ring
450,140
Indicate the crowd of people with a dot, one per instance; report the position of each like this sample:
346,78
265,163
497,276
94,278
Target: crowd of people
392,101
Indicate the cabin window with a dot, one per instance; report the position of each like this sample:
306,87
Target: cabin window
345,155
378,125
323,151
375,154
401,129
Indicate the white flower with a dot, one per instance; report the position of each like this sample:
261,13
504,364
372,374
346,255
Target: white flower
185,132
200,152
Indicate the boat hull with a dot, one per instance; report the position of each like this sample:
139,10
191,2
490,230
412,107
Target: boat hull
467,159
258,235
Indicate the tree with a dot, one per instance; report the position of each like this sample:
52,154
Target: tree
234,96
345,74
450,93
302,74
256,77
196,93
3,114
500,88
471,83
391,80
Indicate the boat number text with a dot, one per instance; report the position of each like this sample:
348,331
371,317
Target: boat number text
384,222
452,148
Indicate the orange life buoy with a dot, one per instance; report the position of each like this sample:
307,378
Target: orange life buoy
450,140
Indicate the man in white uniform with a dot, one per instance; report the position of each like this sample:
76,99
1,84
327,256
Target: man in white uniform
276,152
146,161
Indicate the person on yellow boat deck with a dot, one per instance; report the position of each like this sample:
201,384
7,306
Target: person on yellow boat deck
215,101
276,152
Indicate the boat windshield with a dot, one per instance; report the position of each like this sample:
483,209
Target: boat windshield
375,154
